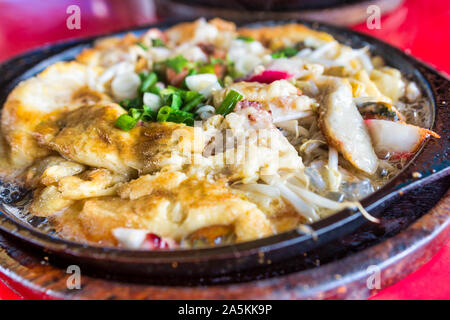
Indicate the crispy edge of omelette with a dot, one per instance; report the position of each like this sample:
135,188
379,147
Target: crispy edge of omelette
175,211
88,135
186,31
62,86
92,56
270,36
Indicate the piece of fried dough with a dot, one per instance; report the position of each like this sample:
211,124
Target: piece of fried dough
62,86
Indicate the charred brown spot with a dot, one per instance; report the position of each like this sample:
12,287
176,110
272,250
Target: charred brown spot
85,96
207,48
212,235
379,110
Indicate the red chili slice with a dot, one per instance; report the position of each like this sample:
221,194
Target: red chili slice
155,242
269,76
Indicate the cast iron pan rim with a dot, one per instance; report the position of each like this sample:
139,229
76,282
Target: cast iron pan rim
278,241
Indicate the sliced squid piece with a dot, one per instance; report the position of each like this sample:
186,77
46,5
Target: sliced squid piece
343,126
396,139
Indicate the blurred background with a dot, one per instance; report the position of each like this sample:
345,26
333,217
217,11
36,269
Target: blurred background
419,27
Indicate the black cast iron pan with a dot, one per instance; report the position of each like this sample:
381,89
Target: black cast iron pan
337,236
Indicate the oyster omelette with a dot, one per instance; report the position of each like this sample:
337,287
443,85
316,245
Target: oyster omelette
205,134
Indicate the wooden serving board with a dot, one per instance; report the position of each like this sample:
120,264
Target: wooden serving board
342,15
34,274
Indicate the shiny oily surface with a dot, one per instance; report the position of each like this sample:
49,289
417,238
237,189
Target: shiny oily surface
323,228
266,196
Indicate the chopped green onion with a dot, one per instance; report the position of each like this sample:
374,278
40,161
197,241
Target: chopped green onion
143,46
229,102
136,103
177,63
135,113
167,114
142,75
231,70
168,91
217,60
245,38
176,101
277,55
149,81
290,52
284,53
158,43
179,116
154,89
125,103
208,68
189,95
193,102
133,103
163,114
191,72
125,122
149,114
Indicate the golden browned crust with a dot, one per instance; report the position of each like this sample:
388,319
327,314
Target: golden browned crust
87,135
62,86
184,32
102,47
276,36
175,213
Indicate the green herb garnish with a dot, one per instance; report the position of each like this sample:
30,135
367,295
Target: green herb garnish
158,43
143,46
207,68
229,103
154,89
135,113
125,122
245,38
148,82
217,60
149,114
231,70
163,114
176,101
177,63
125,103
285,53
179,116
193,102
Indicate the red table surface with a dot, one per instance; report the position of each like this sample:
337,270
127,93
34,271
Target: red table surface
421,27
